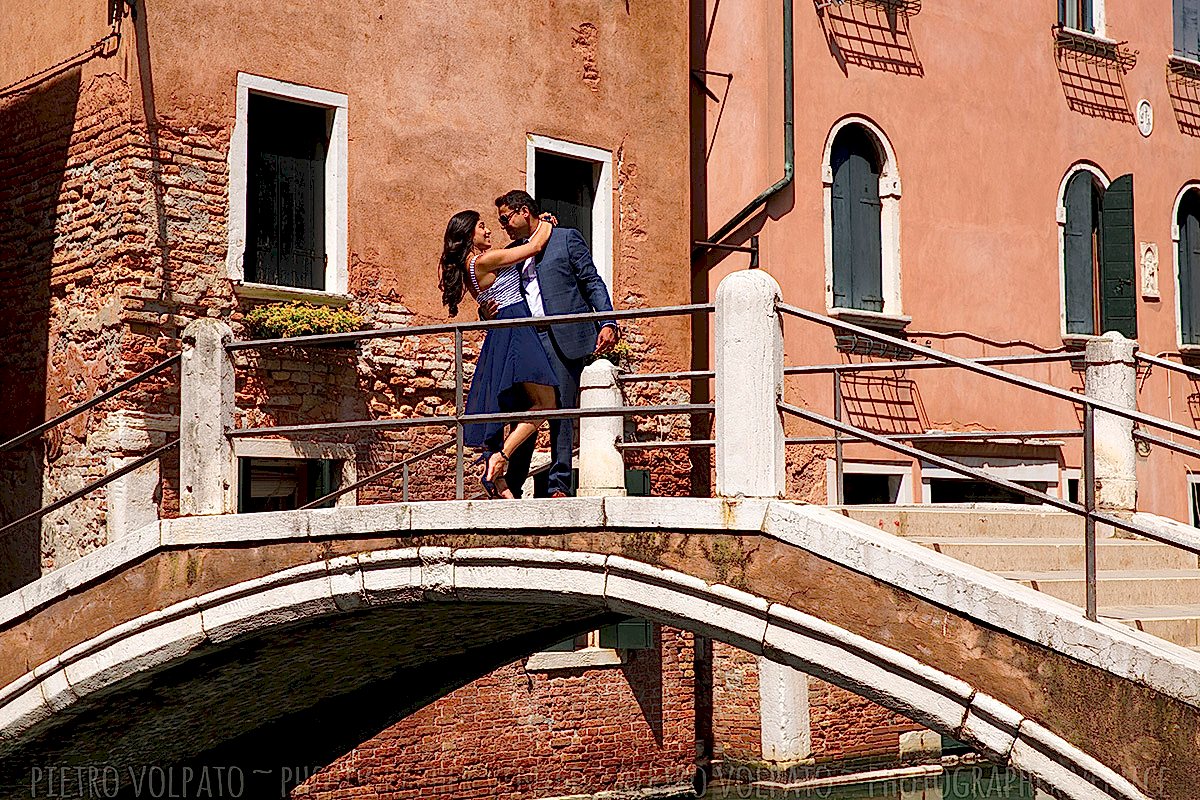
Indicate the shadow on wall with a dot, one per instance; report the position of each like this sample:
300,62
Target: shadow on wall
1183,84
871,33
1093,77
884,403
35,134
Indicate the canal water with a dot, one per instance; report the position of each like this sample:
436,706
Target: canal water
979,782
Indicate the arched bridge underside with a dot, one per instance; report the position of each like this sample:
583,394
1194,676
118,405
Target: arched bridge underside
288,638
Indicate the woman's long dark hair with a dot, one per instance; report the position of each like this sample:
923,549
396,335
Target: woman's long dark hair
460,234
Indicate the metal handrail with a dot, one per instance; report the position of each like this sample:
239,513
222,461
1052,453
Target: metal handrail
1087,510
383,473
1007,377
88,404
459,419
875,366
1170,365
91,487
951,436
462,327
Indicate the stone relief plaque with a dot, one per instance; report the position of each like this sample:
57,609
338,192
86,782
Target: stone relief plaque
1149,270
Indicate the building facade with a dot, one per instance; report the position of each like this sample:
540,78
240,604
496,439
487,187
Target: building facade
1002,180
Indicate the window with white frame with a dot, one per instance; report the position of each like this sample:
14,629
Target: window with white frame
1097,253
1082,15
1185,230
574,182
1187,28
869,483
862,221
941,485
287,190
282,475
1193,484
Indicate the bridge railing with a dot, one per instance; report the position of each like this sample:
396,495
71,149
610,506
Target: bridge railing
754,306
70,414
204,470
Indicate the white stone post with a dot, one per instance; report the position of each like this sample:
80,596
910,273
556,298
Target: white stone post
1112,377
601,465
205,419
783,713
750,463
749,366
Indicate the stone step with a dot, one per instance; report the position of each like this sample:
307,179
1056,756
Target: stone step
969,520
1117,587
997,555
1175,623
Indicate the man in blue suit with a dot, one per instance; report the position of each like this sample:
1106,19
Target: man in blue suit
561,280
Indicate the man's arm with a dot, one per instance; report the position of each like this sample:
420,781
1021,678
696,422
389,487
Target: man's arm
592,287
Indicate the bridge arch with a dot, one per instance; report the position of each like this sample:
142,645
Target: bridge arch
489,582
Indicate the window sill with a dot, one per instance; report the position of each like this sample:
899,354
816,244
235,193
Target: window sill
875,320
1094,37
588,658
266,291
1077,341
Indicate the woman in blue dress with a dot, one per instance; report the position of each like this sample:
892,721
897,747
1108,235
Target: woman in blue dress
513,372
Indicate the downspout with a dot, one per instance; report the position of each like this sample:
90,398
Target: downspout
789,137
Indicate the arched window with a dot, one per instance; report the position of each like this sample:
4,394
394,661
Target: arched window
856,218
1099,255
1188,266
862,195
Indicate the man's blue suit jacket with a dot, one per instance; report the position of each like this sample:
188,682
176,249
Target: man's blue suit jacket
570,284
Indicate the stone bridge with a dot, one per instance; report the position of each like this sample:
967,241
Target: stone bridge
270,639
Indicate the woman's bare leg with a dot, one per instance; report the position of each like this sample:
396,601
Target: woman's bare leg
541,398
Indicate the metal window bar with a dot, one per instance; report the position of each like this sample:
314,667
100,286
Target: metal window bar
88,404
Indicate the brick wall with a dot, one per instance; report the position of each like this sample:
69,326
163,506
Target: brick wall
518,734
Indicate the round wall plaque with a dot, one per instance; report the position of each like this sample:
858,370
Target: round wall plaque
1145,117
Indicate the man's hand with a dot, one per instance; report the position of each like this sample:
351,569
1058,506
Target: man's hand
607,339
488,308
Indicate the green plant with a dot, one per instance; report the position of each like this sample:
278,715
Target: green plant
282,320
619,355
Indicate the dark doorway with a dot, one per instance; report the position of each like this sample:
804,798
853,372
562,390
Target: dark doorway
566,187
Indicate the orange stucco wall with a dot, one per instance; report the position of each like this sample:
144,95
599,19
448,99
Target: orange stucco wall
978,116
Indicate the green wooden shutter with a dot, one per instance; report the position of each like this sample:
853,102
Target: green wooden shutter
637,482
1187,28
1078,254
856,216
1118,260
630,634
1189,268
1076,14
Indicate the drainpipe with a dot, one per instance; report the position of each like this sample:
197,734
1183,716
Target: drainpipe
789,137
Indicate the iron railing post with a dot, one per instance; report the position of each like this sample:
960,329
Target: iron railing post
839,464
458,413
404,485
1089,506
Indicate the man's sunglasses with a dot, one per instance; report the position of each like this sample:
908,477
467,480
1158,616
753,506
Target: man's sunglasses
504,218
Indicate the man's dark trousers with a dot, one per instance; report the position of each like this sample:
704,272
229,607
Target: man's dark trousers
562,431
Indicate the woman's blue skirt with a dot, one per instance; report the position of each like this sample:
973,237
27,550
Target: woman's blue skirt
508,358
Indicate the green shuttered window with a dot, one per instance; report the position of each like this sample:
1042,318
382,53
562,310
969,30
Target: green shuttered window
1100,256
1189,268
856,221
1077,14
1187,28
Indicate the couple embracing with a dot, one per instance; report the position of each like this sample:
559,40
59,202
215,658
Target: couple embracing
546,270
